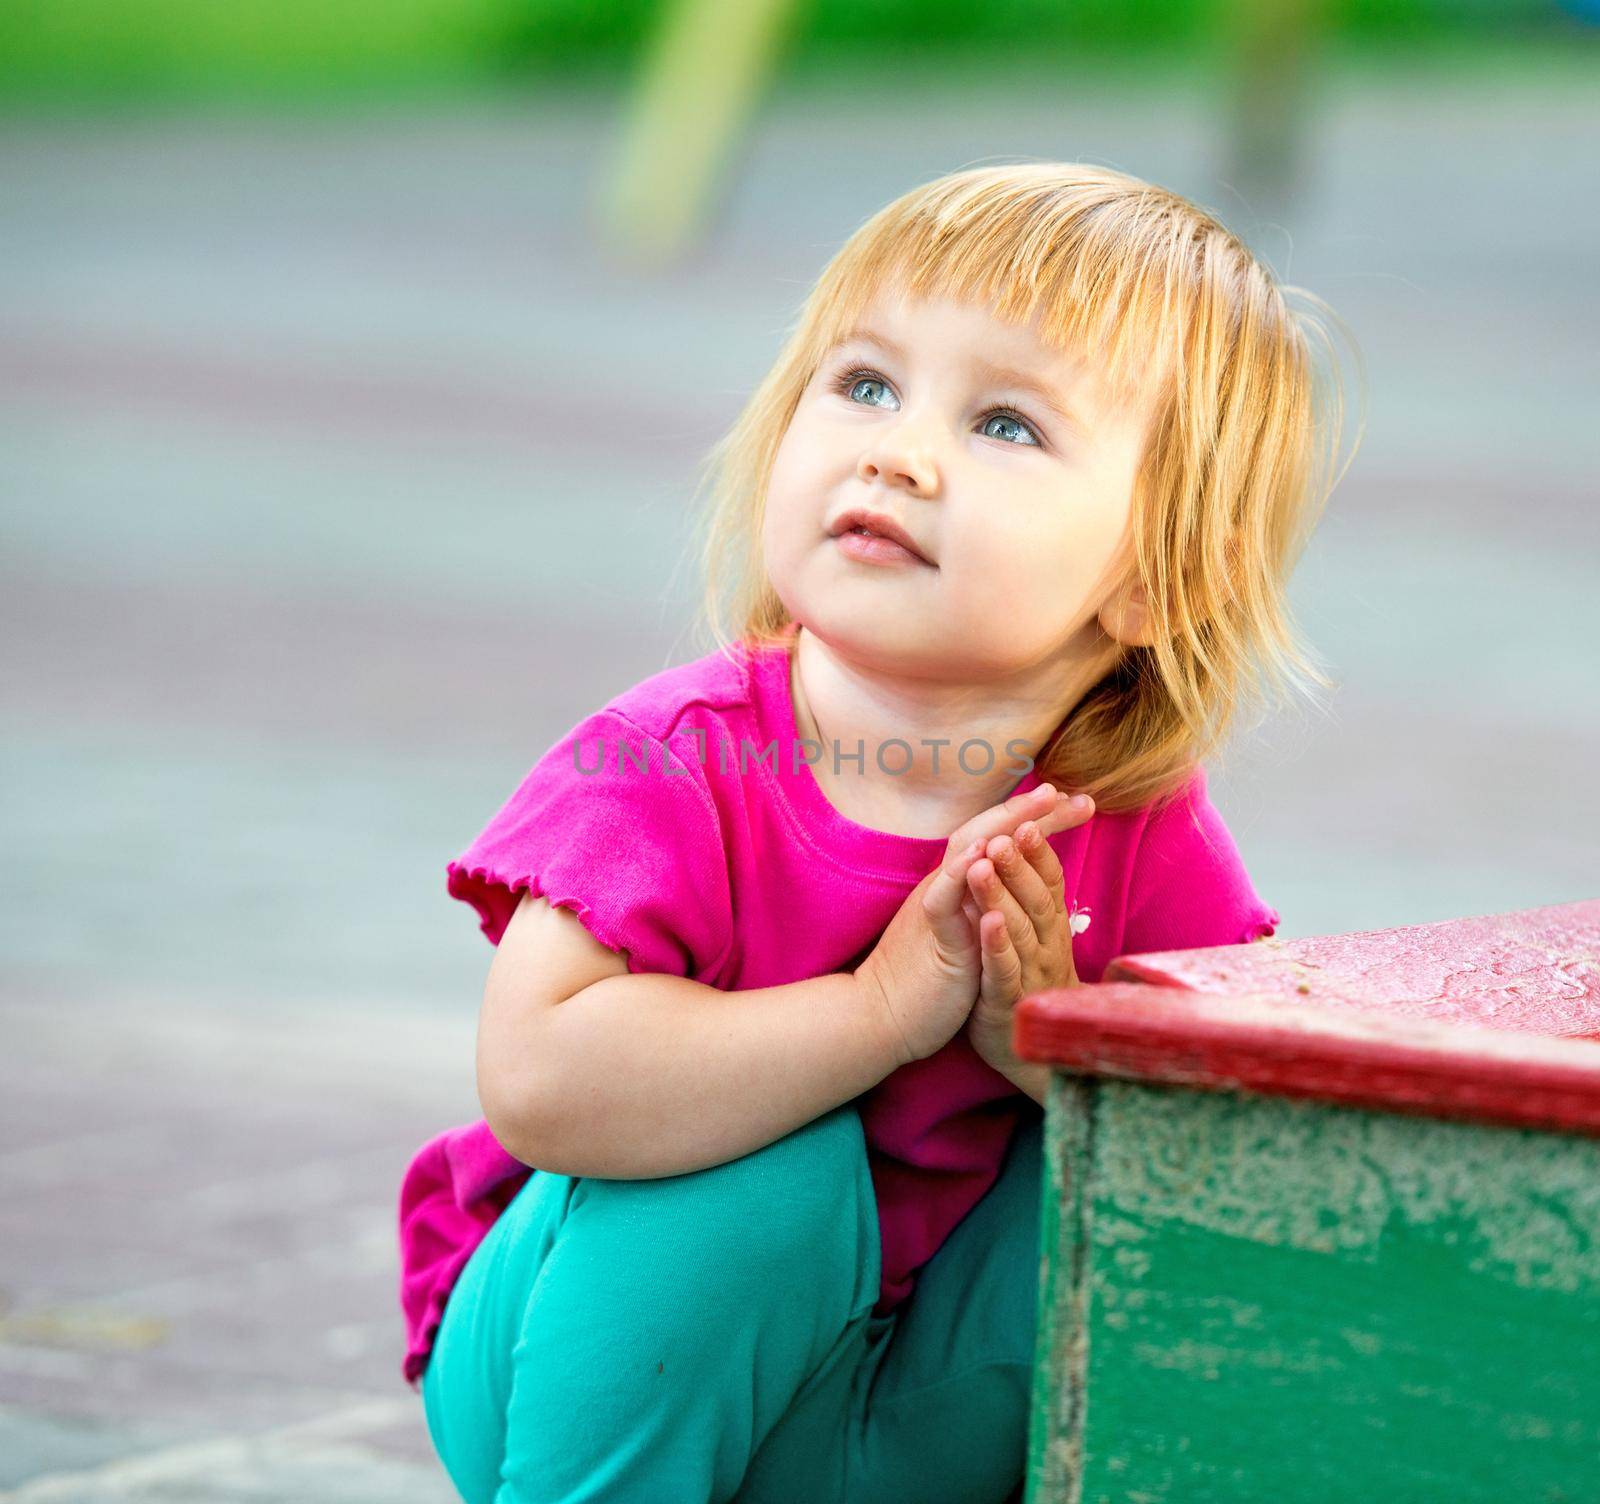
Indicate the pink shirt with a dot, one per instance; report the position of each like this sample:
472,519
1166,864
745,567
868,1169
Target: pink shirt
641,821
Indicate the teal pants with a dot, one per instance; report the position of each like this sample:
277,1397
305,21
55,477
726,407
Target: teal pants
708,1337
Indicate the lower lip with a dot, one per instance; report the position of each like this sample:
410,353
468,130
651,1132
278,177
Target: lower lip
871,549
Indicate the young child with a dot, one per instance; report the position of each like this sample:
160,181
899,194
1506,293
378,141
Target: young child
1011,518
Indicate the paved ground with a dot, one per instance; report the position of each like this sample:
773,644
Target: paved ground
313,431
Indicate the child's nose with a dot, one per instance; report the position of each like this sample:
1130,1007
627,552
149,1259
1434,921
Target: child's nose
905,464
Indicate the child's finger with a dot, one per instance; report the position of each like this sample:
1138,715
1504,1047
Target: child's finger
993,895
1041,856
1025,885
1044,806
948,884
1001,982
1063,814
1037,804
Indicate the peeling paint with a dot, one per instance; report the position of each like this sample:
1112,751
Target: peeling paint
1331,1180
1250,1299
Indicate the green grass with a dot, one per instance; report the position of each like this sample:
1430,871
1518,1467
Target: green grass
110,51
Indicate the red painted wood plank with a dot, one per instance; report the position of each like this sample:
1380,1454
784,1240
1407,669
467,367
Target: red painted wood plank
1534,969
1493,1018
1265,1044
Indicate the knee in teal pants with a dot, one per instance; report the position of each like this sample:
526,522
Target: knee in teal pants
708,1337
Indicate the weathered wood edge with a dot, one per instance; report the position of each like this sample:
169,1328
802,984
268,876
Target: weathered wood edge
1251,1042
1060,1397
1536,970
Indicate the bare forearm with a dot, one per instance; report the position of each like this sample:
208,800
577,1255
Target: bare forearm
645,1075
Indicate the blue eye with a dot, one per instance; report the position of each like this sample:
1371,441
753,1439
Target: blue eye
1003,417
847,383
868,381
853,380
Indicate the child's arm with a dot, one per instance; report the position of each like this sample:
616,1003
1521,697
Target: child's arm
585,1068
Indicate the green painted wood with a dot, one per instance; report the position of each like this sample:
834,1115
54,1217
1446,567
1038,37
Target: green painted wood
1252,1298
1055,1427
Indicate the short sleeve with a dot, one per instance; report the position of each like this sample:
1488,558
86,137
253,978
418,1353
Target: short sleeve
1189,888
613,825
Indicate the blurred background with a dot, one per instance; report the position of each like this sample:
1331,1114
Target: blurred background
355,366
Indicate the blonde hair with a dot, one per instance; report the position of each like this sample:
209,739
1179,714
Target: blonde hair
1235,472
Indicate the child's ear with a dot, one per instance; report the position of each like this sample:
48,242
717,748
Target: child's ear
1126,616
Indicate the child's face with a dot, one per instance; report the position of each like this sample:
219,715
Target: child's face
1022,515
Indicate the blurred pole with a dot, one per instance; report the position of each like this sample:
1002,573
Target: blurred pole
695,91
1269,48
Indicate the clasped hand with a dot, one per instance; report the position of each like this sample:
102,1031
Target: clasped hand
987,926
1017,906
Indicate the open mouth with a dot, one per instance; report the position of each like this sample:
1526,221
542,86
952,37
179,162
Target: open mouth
873,548
871,538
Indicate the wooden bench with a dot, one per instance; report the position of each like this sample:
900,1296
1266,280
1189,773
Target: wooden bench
1322,1220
